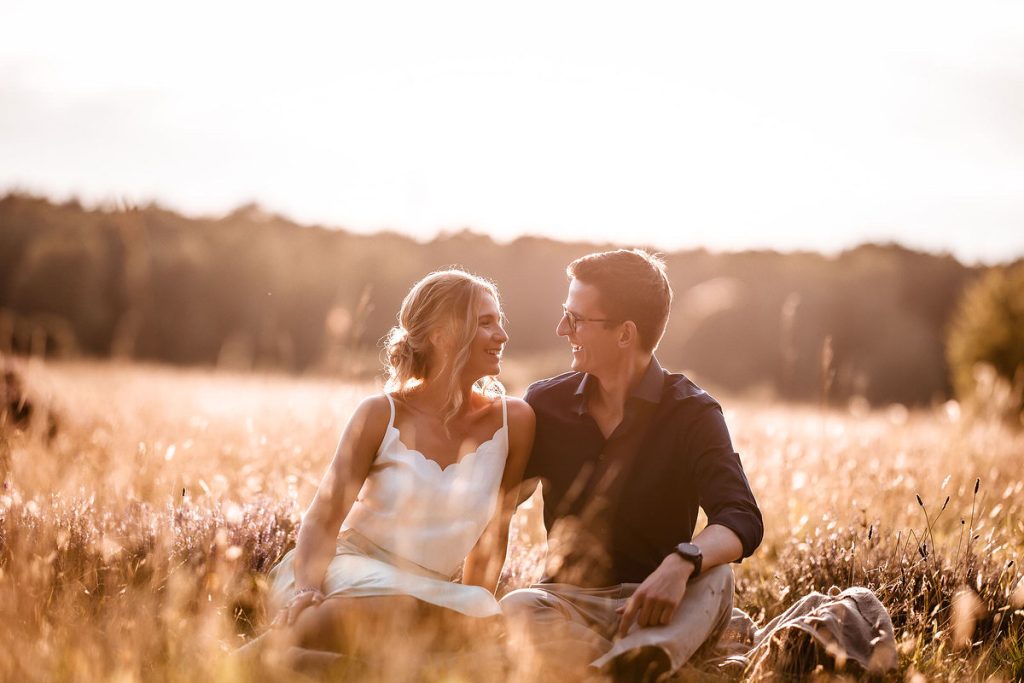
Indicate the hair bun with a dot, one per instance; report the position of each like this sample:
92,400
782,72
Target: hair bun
398,342
397,334
402,359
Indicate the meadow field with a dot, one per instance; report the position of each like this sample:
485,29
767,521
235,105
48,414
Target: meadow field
135,539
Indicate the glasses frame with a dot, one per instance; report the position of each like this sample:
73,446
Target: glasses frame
574,320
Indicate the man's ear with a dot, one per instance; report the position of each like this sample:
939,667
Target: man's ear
628,334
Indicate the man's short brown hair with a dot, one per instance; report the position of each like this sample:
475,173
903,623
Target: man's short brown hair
633,286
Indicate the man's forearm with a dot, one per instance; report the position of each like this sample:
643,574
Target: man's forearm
656,599
719,545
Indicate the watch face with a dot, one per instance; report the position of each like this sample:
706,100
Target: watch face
689,549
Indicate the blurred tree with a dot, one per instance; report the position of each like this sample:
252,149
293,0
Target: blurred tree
68,279
988,332
253,289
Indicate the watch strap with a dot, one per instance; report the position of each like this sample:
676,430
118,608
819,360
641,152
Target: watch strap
692,554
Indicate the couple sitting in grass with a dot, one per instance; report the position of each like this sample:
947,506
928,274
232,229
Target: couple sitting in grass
426,479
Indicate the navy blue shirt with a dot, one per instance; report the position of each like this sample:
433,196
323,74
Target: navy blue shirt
681,459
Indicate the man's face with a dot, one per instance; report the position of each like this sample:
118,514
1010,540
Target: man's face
594,344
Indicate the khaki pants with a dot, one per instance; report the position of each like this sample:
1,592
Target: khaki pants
571,626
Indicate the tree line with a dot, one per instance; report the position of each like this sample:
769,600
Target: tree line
252,289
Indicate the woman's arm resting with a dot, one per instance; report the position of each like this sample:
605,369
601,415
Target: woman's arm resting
484,562
314,548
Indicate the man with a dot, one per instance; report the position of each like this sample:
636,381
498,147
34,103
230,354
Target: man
627,452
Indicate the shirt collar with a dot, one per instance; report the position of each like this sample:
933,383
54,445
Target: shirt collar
648,389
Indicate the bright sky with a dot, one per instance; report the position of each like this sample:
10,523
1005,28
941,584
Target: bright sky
723,125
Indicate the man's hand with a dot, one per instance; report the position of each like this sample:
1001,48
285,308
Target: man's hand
656,599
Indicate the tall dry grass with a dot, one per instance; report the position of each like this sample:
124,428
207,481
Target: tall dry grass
134,544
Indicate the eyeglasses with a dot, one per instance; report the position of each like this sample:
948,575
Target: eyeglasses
574,320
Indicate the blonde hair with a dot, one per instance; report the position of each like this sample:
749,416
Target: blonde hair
447,300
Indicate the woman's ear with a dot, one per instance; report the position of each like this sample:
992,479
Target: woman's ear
441,342
438,339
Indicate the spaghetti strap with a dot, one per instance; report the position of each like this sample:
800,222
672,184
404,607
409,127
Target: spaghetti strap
391,402
504,422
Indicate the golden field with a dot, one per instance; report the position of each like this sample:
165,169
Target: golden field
135,541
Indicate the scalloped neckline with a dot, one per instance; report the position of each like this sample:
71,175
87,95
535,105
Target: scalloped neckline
452,465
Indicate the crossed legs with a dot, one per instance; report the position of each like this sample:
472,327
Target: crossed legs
573,628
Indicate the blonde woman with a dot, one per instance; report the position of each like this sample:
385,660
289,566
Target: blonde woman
424,480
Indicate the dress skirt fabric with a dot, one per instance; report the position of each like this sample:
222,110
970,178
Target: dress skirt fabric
361,568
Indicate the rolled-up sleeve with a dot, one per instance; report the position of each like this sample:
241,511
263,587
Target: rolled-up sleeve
723,490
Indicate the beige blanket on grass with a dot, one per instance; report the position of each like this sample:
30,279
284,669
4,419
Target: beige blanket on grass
845,630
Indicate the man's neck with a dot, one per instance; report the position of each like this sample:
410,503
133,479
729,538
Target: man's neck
615,384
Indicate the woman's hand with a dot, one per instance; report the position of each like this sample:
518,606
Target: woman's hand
287,616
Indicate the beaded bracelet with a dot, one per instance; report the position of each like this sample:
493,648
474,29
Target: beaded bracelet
303,591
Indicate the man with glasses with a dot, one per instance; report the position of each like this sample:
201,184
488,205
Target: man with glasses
627,453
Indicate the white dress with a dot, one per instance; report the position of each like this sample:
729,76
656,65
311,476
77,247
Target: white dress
412,525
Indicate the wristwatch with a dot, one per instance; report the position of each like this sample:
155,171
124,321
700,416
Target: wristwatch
692,554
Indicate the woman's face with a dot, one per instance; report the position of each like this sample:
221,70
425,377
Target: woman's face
486,347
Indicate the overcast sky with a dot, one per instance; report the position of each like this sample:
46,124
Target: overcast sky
725,125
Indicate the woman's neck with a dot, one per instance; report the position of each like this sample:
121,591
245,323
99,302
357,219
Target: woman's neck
432,394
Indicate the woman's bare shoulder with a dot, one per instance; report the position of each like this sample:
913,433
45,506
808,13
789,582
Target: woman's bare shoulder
519,412
372,416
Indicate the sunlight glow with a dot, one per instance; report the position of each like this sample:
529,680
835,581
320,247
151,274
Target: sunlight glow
795,126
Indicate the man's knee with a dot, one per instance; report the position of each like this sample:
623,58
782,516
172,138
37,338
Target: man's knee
719,579
714,588
719,585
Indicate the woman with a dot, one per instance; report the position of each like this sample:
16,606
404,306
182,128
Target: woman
425,476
